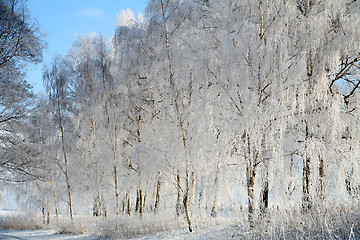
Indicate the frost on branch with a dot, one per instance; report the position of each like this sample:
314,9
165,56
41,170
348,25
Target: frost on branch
126,18
234,111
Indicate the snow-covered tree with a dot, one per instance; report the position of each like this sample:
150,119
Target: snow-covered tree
21,44
212,106
57,81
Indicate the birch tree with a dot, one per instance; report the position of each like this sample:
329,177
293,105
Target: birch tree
56,80
167,14
88,55
233,105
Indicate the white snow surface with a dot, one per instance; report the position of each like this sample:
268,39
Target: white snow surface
209,233
41,235
197,234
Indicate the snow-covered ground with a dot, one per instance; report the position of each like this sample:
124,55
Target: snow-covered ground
199,234
214,233
41,235
294,226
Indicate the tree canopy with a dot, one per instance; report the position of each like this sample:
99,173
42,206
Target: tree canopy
207,108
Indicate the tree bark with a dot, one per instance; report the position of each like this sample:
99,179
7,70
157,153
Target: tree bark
141,204
144,202
113,143
264,195
251,194
70,197
43,213
100,206
187,190
48,216
192,199
178,201
129,203
307,184
66,172
250,179
114,148
55,199
157,197
321,190
117,207
214,208
124,202
137,202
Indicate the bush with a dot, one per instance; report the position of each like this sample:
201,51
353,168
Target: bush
72,228
20,221
331,222
79,225
124,227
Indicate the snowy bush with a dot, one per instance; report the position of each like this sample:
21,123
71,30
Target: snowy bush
20,221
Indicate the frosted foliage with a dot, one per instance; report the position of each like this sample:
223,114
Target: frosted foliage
217,108
140,18
21,45
126,18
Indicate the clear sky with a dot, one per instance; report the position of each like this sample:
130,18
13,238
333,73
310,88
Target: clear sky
63,20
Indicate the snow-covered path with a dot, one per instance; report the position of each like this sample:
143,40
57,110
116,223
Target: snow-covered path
202,234
41,235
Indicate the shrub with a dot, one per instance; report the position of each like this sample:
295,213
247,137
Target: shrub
20,221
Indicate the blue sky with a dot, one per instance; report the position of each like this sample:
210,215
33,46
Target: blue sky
63,20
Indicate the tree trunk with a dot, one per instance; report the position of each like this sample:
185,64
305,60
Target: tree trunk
129,203
117,207
141,204
137,203
307,197
48,216
187,193
70,197
193,183
114,150
321,190
66,172
179,118
43,213
307,185
113,143
99,210
291,187
157,197
178,201
55,200
214,208
124,204
187,208
144,202
250,179
251,194
264,196
201,190
100,205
